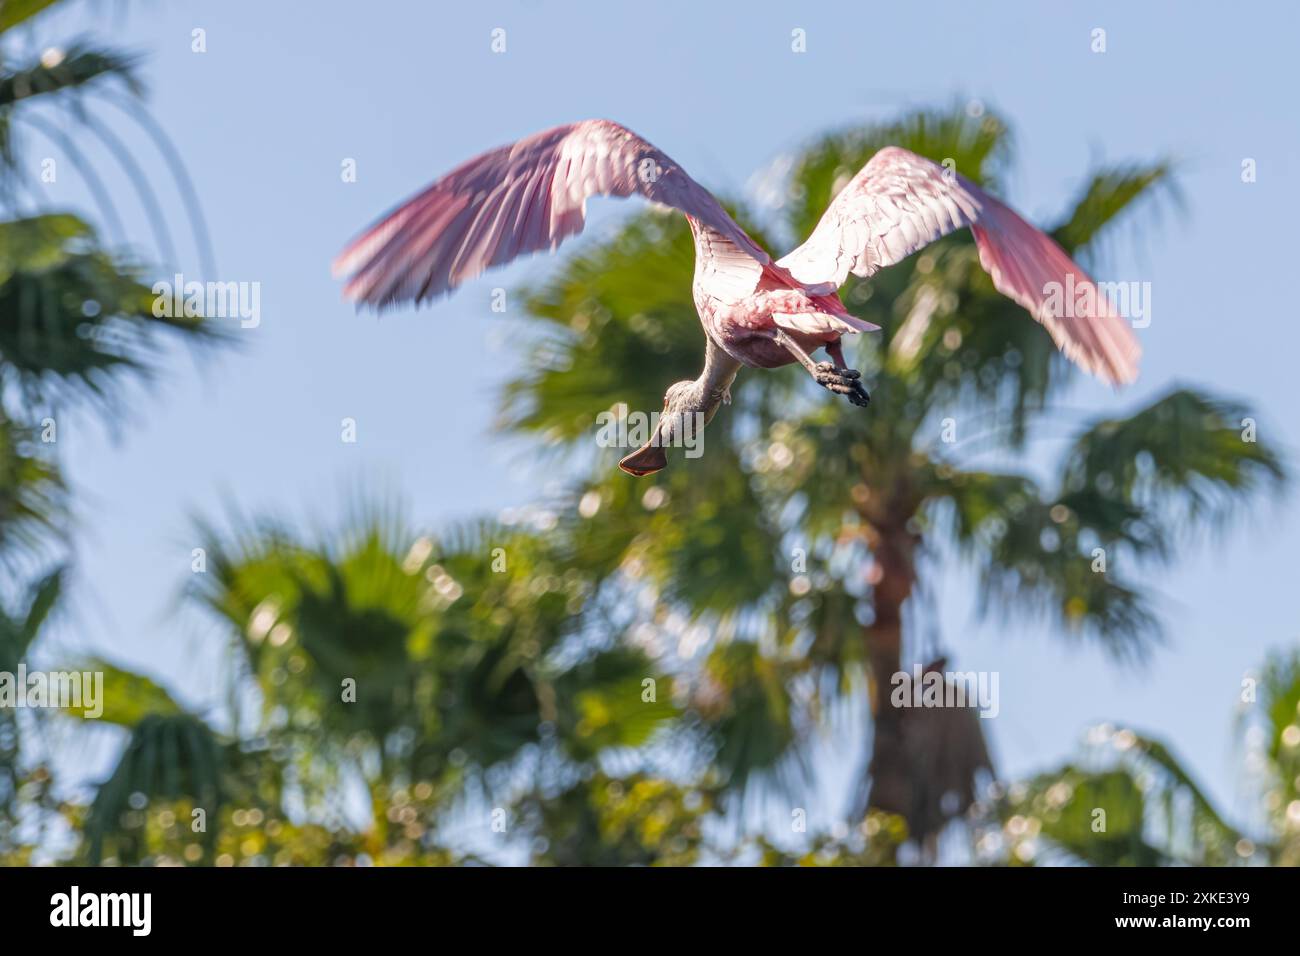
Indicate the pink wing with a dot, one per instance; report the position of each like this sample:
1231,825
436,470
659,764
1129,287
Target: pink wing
900,202
519,199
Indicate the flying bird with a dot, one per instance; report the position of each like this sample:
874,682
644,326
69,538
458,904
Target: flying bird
756,312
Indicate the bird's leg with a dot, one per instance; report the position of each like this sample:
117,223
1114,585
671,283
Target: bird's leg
859,395
835,378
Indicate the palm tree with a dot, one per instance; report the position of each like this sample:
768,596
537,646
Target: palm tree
1271,724
1128,801
808,528
18,629
76,323
443,676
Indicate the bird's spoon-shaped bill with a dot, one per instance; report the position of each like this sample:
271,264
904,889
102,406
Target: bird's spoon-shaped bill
646,460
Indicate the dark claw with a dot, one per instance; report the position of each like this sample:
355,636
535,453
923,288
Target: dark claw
842,381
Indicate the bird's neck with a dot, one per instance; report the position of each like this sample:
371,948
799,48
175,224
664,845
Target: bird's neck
714,382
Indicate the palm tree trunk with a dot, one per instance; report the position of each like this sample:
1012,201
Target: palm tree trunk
890,770
923,762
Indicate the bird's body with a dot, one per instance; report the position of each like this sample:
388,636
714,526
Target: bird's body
739,322
755,312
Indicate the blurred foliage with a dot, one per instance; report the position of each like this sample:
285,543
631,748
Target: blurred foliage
19,628
73,318
166,757
1136,807
33,498
634,820
875,843
128,698
77,325
14,12
71,70
1271,724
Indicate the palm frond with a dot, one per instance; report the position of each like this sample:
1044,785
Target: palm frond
1054,559
34,508
74,320
1113,193
20,626
74,68
1189,460
57,75
1140,807
14,12
977,147
128,696
168,757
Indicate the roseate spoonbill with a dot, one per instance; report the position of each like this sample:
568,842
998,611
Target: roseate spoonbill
756,312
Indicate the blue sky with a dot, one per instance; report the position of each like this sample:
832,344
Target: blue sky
286,92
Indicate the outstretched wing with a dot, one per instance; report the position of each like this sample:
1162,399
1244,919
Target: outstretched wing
519,199
900,202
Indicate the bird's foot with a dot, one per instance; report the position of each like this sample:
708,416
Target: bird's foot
842,381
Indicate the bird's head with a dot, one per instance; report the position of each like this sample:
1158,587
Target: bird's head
679,424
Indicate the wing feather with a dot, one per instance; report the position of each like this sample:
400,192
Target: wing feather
523,198
900,202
